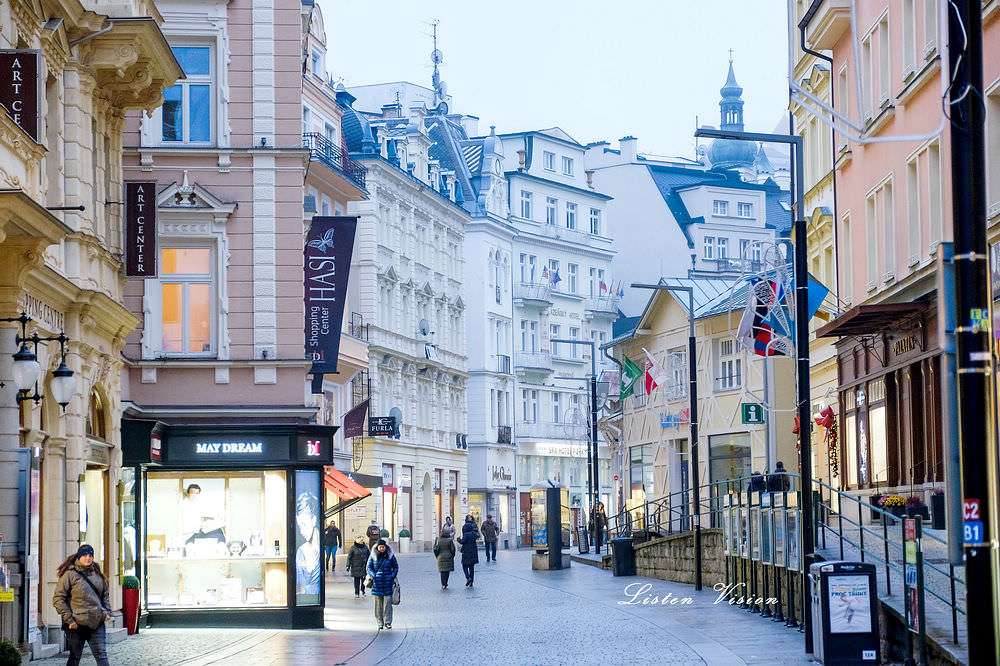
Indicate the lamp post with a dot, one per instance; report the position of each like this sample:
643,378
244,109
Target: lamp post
26,369
693,379
801,348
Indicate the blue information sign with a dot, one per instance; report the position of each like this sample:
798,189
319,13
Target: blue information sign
972,533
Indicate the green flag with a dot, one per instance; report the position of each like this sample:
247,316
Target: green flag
630,375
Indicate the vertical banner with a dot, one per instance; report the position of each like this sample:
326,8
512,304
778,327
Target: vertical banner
140,229
20,89
328,251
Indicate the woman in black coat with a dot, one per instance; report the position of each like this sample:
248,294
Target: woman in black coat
357,562
470,551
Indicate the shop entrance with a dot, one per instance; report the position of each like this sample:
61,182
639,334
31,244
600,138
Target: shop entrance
525,519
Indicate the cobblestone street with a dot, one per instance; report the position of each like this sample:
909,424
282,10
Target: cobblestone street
512,616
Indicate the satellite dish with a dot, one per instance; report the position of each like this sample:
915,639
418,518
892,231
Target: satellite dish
437,57
424,327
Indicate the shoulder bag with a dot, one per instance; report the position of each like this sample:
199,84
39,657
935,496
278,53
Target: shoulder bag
395,591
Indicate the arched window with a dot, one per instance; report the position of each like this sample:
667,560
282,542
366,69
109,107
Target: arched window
96,421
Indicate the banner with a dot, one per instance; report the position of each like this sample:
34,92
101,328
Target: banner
20,89
354,420
140,229
328,251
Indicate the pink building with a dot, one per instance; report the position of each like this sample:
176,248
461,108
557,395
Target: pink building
893,208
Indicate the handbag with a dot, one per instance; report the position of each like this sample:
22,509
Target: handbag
369,581
395,592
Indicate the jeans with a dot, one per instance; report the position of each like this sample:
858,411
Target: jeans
75,639
491,546
383,610
331,557
444,577
359,587
470,571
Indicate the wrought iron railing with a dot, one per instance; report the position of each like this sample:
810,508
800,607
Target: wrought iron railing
357,326
503,435
326,151
503,364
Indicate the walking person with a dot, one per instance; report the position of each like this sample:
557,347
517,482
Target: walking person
382,567
444,551
373,534
357,562
449,527
491,534
82,600
778,481
470,551
332,540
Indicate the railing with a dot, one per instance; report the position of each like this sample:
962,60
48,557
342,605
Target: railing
561,232
357,326
608,304
503,364
533,361
735,264
728,383
503,435
529,291
553,430
323,150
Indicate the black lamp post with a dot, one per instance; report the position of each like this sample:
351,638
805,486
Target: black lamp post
26,369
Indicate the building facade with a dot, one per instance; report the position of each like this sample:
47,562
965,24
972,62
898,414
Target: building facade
71,73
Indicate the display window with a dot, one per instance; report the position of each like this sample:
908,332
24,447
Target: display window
308,571
218,539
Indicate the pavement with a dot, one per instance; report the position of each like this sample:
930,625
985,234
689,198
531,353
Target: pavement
512,615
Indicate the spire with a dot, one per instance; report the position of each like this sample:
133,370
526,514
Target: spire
731,104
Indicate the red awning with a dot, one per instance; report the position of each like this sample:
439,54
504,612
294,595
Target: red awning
349,491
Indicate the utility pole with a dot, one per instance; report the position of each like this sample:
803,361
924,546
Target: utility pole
972,333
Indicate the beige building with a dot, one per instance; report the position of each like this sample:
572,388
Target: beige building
81,68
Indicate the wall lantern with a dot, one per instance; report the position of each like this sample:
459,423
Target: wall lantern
26,369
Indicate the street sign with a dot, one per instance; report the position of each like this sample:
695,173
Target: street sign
381,426
972,533
752,413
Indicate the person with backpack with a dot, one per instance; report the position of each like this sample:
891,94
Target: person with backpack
82,599
778,480
373,534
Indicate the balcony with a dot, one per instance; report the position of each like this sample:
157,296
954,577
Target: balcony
321,149
601,305
503,434
529,293
561,232
533,361
551,430
828,23
503,364
735,265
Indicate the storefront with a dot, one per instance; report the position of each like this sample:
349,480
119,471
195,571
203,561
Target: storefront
227,522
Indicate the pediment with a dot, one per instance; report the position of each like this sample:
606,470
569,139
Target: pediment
427,289
192,198
390,274
459,303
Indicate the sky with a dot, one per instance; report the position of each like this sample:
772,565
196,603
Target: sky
599,70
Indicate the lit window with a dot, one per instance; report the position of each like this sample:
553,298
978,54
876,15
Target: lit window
187,303
187,106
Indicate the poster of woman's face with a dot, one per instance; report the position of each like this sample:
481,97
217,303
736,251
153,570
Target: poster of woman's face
308,571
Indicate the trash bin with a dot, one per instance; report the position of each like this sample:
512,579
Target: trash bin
623,555
845,613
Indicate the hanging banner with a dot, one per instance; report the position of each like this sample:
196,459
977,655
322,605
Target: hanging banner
354,420
20,88
328,251
140,229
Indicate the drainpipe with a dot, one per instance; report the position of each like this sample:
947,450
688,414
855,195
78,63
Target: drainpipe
102,31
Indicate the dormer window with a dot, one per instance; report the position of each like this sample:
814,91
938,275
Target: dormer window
744,209
549,161
720,207
567,166
317,62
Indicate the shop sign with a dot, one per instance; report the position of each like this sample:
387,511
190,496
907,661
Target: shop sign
314,448
98,453
140,229
155,447
381,426
387,475
405,480
212,447
498,473
20,88
328,251
675,419
562,450
43,313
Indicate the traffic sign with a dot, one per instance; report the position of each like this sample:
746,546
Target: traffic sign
752,413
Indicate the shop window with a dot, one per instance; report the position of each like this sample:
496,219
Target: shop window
729,456
308,545
128,549
93,505
187,303
96,421
218,539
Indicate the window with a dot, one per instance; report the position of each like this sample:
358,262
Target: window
730,367
187,303
597,285
549,161
842,103
720,207
847,266
556,407
554,277
744,248
526,204
97,424
306,120
595,221
574,334
729,456
571,275
527,267
744,209
909,37
866,76
317,62
570,215
529,405
554,333
567,165
550,210
879,215
930,27
723,246
709,252
529,336
883,60
187,106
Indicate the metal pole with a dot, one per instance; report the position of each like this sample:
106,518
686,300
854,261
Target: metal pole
973,358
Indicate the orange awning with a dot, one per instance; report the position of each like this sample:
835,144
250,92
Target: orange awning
348,490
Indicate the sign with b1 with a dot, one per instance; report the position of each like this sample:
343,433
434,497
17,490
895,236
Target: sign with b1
972,533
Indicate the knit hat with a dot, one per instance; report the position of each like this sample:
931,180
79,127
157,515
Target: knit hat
85,550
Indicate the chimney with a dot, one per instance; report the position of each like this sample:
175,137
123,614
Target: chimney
628,147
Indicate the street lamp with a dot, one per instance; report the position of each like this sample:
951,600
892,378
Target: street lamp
26,369
693,379
801,348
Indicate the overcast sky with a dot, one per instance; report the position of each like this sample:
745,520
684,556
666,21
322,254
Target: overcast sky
598,69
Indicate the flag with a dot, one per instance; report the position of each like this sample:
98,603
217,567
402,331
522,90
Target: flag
655,374
817,294
545,273
555,277
604,287
621,290
630,375
354,420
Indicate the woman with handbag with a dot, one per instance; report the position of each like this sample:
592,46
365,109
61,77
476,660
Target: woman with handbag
444,551
357,562
382,570
83,601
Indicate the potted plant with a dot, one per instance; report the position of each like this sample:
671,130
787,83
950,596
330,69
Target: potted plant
874,501
9,654
916,506
937,509
130,603
404,540
894,504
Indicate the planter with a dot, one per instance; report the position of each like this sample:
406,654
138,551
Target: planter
897,511
922,511
937,511
404,544
873,500
130,610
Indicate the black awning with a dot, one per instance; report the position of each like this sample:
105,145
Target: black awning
868,319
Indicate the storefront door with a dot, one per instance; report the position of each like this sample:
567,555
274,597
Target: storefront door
525,514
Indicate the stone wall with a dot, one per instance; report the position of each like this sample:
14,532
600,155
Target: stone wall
672,558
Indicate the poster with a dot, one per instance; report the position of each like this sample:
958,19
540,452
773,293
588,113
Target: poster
850,605
755,533
792,532
308,571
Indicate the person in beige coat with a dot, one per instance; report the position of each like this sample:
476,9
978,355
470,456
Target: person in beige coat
82,598
444,551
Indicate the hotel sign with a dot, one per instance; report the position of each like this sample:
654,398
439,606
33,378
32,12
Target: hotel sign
140,229
20,88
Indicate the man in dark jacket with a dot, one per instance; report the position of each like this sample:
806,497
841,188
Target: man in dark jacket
778,481
332,540
491,533
470,551
757,483
373,534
